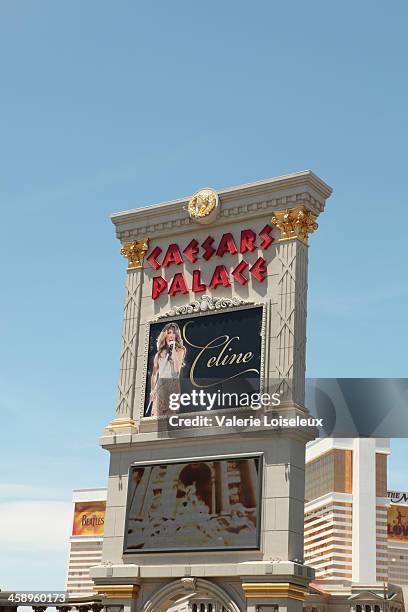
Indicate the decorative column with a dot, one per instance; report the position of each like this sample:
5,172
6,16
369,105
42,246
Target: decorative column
284,586
295,225
134,252
223,487
213,494
364,530
169,491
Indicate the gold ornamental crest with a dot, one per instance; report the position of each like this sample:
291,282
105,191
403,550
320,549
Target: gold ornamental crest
203,205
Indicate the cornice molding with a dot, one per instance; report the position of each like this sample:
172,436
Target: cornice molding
249,201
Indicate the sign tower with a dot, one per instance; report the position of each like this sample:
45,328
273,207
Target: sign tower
206,481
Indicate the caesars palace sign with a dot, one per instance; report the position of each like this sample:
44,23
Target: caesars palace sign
192,252
203,208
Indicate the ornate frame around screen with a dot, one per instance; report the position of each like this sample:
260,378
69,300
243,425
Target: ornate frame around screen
258,455
193,310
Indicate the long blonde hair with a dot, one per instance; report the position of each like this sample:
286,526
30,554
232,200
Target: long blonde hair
161,340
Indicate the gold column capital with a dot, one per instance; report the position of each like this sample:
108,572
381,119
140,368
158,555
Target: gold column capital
117,591
274,590
295,223
135,252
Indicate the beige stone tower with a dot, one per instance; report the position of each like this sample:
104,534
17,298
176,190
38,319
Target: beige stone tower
210,518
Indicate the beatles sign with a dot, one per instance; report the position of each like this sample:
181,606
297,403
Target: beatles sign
89,518
194,251
218,352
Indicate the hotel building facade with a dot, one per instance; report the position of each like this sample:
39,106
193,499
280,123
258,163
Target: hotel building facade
354,531
346,509
85,542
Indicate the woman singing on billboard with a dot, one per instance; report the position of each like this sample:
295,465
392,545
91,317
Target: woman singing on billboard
167,364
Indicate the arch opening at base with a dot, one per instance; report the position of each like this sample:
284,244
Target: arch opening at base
191,595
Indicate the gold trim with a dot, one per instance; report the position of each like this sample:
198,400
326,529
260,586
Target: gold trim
118,591
119,423
135,252
295,223
274,590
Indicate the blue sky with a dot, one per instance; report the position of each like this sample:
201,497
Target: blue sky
107,106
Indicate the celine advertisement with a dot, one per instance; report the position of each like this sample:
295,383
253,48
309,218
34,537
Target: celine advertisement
194,506
216,353
89,518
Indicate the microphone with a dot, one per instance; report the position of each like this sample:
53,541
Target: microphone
172,344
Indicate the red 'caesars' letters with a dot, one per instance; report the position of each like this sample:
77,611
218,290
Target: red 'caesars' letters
249,242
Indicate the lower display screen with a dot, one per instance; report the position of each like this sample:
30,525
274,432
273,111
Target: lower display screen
198,505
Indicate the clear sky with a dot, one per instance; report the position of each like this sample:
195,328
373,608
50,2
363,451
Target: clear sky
112,105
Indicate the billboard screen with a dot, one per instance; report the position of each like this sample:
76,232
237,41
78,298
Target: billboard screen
398,522
89,518
213,353
195,505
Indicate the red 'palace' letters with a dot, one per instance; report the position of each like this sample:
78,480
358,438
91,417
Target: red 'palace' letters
249,242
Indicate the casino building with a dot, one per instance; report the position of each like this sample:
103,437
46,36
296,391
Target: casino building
346,510
356,531
398,537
